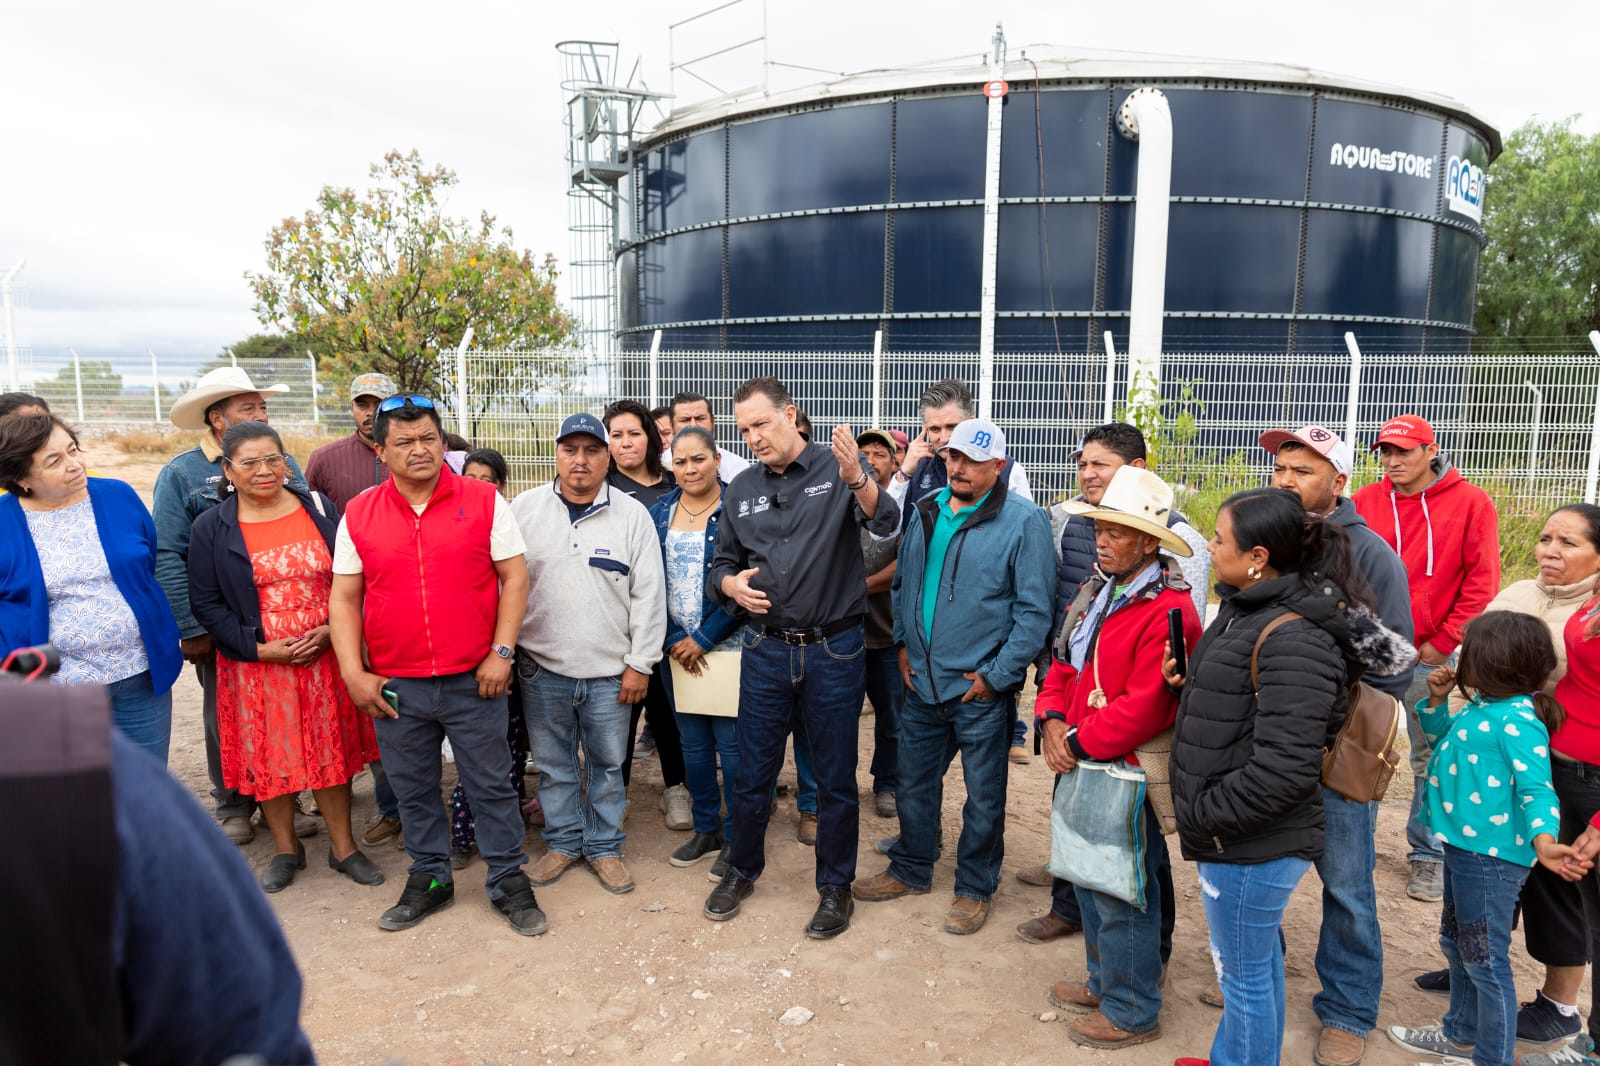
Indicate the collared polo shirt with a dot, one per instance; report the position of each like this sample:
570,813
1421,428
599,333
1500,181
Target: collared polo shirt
798,527
945,525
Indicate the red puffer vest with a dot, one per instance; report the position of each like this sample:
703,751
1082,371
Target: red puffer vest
432,592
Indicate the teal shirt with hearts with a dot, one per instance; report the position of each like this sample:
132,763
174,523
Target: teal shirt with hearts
1489,788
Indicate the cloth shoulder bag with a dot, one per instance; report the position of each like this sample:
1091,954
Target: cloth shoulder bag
1097,829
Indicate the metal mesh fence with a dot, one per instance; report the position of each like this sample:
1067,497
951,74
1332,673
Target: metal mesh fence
96,391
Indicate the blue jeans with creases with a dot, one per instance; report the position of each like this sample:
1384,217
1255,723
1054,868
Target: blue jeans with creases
886,691
826,682
143,717
703,736
1350,946
1480,898
583,802
1122,944
929,733
805,774
1244,910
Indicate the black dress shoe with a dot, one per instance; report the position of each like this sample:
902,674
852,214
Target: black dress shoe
279,873
423,895
833,913
357,867
723,903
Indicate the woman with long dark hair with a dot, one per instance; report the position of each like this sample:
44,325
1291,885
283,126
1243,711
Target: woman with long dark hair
1247,750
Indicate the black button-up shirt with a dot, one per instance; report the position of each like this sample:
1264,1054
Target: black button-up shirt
799,528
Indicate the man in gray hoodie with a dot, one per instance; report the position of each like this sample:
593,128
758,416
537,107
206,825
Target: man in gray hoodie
593,631
1315,463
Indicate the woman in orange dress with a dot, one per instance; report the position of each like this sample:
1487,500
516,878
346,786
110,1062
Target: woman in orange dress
260,571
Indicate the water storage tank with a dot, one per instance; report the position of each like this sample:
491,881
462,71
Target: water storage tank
1303,204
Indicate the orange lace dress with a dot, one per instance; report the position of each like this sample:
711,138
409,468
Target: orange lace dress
283,728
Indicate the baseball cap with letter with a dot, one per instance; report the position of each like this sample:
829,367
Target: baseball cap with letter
978,438
582,423
1320,439
1405,432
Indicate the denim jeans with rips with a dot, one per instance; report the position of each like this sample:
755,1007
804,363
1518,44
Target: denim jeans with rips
1480,898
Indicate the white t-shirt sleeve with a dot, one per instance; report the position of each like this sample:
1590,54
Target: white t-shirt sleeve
345,558
505,536
1018,485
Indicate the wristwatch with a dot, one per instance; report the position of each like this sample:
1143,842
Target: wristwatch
505,651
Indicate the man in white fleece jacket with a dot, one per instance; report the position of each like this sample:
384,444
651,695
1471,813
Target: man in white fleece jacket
593,631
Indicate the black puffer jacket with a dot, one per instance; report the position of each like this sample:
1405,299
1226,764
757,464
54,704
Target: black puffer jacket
1247,766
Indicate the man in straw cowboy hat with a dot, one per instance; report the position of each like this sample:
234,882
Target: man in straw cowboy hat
188,486
970,612
1104,697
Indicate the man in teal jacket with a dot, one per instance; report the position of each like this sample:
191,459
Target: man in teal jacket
972,603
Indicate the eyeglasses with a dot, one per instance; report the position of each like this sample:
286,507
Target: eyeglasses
252,465
394,403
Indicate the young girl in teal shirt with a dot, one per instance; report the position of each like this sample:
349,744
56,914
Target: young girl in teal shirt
1490,802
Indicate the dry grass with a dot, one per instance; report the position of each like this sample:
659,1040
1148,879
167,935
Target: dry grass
155,442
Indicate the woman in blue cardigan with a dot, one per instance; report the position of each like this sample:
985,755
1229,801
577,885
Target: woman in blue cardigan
77,570
686,521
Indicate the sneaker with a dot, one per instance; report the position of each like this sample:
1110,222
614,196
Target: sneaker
238,829
1578,1053
645,746
1429,1040
613,874
719,868
676,805
423,895
1427,881
696,848
886,805
517,903
380,829
806,831
1542,1024
723,903
1434,981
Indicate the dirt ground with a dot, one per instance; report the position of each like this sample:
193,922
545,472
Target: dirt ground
644,977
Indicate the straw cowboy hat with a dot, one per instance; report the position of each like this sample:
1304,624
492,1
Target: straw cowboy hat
189,410
1138,499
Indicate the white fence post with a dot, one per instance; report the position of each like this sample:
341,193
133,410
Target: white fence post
1593,473
462,426
877,377
655,370
311,361
1111,378
1352,403
77,381
1533,440
155,383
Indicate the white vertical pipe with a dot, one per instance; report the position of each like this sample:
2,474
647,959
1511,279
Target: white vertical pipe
12,364
77,381
1111,379
1352,400
877,377
655,370
1592,475
311,361
461,384
991,231
233,360
1145,117
1533,439
155,382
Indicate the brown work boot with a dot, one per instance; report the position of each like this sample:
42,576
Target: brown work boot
1037,876
806,831
1212,996
1045,928
548,870
966,916
1018,753
1074,996
1096,1030
1335,1047
613,874
883,886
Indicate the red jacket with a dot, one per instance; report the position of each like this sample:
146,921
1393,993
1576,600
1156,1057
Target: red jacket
1128,649
1448,537
432,592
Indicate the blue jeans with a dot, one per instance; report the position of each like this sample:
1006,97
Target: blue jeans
805,774
1122,944
981,731
1349,948
1480,898
1064,902
583,804
143,717
886,690
703,737
1424,847
431,709
1019,728
1244,910
826,681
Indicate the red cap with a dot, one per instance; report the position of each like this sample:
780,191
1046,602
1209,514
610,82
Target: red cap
900,439
1405,432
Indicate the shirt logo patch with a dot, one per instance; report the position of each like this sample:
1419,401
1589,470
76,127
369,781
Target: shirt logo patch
819,490
461,515
744,508
761,505
602,551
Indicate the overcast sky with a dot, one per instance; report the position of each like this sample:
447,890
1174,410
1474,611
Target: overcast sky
151,147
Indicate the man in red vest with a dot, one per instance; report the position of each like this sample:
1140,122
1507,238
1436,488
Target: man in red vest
429,571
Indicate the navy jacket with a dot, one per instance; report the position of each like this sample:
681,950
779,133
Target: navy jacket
716,622
222,584
128,536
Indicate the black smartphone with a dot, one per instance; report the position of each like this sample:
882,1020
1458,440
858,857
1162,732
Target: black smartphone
1175,638
392,698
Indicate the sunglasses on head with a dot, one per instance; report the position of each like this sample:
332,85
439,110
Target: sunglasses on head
394,403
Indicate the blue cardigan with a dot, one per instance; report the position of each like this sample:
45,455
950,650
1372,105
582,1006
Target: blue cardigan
222,583
128,536
715,621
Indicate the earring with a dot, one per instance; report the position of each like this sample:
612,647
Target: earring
1253,574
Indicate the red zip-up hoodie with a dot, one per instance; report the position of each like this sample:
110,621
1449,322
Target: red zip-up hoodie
1448,537
432,592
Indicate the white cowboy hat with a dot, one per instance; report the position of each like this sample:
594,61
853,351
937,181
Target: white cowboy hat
189,410
1138,499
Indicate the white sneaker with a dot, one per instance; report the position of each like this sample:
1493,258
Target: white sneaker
676,804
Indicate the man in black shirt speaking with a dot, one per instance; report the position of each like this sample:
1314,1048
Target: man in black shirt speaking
790,557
